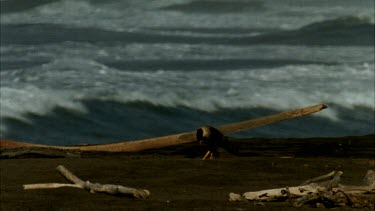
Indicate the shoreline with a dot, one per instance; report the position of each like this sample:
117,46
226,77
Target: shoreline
179,180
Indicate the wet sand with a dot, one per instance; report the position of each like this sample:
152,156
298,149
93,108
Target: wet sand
179,180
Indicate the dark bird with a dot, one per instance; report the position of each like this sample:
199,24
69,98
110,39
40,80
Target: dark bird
213,139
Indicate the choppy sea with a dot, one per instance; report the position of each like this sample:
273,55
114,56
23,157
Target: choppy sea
91,71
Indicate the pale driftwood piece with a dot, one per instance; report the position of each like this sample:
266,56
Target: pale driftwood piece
152,143
369,178
309,186
319,194
49,186
282,193
354,196
70,176
92,187
254,123
235,197
355,189
320,178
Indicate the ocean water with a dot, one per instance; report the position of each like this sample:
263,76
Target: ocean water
89,71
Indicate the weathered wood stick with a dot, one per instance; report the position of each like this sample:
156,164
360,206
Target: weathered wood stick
70,176
355,189
282,193
291,192
92,187
298,191
369,178
316,179
330,192
259,122
354,196
135,146
48,186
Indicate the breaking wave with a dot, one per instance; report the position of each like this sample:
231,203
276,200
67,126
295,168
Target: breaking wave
132,69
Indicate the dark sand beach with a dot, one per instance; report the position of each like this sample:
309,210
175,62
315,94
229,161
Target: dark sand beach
179,180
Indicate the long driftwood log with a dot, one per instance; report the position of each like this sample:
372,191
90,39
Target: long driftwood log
159,142
322,191
92,187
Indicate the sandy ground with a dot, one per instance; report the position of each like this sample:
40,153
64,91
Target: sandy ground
179,180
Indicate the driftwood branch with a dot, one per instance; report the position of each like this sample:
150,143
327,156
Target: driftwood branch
322,191
48,186
92,187
331,175
159,142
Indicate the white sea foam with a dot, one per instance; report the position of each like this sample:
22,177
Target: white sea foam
15,103
75,68
280,88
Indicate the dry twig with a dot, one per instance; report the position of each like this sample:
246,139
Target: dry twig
318,192
92,187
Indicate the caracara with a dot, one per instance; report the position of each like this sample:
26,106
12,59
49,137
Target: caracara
212,138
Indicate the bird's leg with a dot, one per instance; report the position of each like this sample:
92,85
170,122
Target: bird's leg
211,156
209,153
206,155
